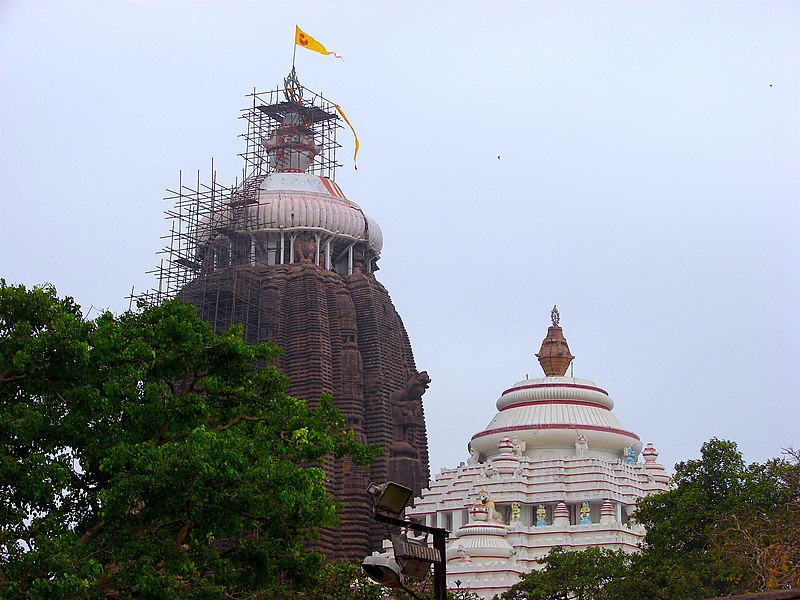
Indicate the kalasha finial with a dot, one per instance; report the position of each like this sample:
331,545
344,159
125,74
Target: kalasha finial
554,355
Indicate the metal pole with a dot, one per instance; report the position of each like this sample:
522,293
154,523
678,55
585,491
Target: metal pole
440,568
294,46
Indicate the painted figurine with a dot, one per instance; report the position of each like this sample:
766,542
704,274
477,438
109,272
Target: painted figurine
585,519
541,516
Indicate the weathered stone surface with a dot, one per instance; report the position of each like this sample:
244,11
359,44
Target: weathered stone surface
342,336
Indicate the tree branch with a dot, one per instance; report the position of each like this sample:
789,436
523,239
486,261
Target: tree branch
238,419
5,378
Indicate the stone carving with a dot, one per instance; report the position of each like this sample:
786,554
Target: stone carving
359,259
487,471
581,445
474,457
516,512
407,406
305,247
519,446
462,553
416,385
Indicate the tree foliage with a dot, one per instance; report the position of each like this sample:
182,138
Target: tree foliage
762,537
694,542
345,581
145,456
592,574
724,528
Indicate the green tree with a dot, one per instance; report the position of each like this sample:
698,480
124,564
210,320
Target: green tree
145,456
591,574
724,528
345,581
761,537
692,547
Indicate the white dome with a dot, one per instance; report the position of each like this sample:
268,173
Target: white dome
300,201
549,413
480,540
555,388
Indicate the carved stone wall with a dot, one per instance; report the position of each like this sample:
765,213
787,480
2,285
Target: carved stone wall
342,336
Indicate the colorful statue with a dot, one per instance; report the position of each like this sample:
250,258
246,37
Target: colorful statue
541,516
492,513
630,454
585,519
516,511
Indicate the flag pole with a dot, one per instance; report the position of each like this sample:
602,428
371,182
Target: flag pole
294,48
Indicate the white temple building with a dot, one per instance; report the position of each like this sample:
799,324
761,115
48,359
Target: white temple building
554,467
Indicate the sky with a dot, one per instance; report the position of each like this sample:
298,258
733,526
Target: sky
634,163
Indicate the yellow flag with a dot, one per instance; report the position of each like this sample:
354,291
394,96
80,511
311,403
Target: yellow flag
306,41
346,120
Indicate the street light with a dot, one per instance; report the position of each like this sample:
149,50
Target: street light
391,497
383,570
412,559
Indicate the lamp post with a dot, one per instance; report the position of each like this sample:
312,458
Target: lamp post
392,497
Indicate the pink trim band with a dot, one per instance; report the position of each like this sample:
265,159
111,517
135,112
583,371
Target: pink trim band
578,402
550,385
568,426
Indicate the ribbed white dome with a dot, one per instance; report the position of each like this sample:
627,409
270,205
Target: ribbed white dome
555,388
548,414
297,201
481,540
574,415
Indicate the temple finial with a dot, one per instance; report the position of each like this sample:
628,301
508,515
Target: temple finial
554,355
292,89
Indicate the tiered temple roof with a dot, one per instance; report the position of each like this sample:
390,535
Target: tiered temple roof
554,467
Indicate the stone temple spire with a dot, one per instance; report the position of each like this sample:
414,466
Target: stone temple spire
293,260
554,355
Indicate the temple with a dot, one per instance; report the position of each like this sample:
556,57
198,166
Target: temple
554,467
289,256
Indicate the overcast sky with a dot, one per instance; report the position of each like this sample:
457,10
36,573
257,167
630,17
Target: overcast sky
635,163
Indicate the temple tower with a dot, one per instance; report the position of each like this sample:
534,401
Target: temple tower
554,467
288,255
